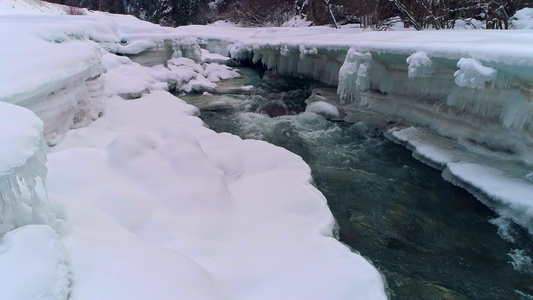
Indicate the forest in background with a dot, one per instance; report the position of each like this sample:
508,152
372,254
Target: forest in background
377,14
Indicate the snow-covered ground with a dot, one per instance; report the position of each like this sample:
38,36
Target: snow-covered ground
142,200
145,202
30,7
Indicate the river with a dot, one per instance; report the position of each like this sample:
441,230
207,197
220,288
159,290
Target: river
429,238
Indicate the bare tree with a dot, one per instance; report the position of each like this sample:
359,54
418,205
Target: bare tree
328,5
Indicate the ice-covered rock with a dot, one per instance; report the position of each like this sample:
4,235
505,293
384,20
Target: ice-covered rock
323,108
217,72
187,47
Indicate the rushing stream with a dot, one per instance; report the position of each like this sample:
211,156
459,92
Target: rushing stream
430,239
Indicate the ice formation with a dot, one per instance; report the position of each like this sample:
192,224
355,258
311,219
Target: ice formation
420,65
353,75
472,88
23,199
473,74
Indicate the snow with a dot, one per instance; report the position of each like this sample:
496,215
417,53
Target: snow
156,204
473,74
21,137
297,21
420,65
523,19
208,57
31,7
33,265
217,72
154,160
513,193
22,170
159,206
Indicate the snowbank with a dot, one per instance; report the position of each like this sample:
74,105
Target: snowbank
260,230
30,7
523,19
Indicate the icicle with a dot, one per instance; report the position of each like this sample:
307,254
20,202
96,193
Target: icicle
354,74
22,167
186,47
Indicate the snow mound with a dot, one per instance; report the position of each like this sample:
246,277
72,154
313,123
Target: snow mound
523,19
217,72
33,265
208,57
420,65
473,74
167,184
297,21
259,222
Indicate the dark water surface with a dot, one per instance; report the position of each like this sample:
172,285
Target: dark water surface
430,239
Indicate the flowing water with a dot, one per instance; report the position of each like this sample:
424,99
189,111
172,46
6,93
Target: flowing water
430,239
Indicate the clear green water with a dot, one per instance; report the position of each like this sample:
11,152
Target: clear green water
430,239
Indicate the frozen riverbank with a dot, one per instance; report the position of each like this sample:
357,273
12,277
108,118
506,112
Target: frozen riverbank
155,205
471,89
147,161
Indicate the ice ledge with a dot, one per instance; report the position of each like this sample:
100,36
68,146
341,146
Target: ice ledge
23,198
504,186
